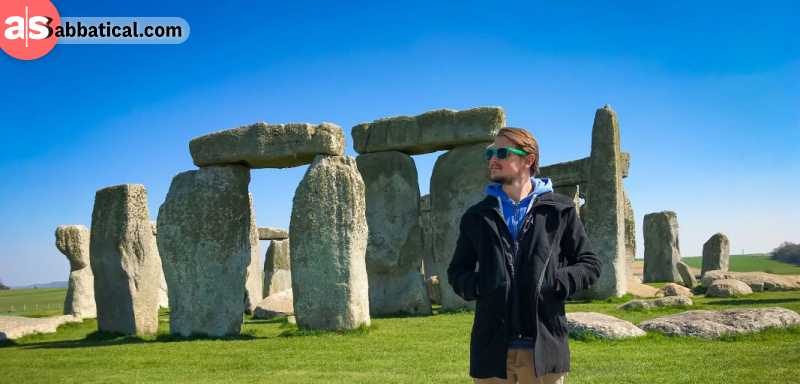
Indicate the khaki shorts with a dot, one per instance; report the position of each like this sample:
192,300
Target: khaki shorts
520,370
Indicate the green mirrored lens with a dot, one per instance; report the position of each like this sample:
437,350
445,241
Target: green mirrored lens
502,153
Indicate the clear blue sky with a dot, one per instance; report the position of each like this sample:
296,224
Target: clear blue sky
708,98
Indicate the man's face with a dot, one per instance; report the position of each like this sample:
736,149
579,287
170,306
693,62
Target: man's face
503,171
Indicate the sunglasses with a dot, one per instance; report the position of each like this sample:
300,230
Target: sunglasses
502,153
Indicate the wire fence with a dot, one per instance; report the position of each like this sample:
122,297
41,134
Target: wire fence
24,308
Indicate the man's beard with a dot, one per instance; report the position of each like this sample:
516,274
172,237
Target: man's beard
500,179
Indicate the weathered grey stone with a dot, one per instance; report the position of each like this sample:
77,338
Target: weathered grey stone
328,235
687,277
163,292
277,268
458,181
426,223
125,261
582,324
728,288
668,301
263,145
661,247
15,327
713,324
395,245
163,296
758,281
429,132
275,305
73,242
576,173
269,233
716,254
630,232
254,279
604,215
672,289
205,237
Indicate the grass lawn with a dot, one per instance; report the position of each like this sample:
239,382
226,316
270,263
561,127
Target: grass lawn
398,350
32,302
751,263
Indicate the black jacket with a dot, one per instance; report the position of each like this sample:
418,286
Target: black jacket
553,260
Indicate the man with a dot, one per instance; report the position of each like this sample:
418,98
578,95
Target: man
532,253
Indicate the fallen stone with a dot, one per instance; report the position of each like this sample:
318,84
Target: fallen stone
687,278
638,289
669,301
263,145
269,233
672,289
15,327
661,252
429,132
73,242
125,261
714,324
328,239
758,281
728,288
275,305
395,245
716,254
277,268
582,324
204,229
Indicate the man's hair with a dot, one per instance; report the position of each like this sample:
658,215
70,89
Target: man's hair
523,140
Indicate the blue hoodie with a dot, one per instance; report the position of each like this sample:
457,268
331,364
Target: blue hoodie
514,213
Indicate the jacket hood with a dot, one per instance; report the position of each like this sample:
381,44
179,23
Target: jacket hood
540,186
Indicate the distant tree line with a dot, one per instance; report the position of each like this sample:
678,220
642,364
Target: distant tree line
3,287
787,253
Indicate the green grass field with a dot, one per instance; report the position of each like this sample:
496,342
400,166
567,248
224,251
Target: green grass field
32,302
398,350
752,263
395,350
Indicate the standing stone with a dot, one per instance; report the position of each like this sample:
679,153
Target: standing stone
661,248
605,214
73,242
425,222
277,268
328,238
458,182
163,296
254,283
125,261
395,245
716,254
687,278
630,233
205,237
